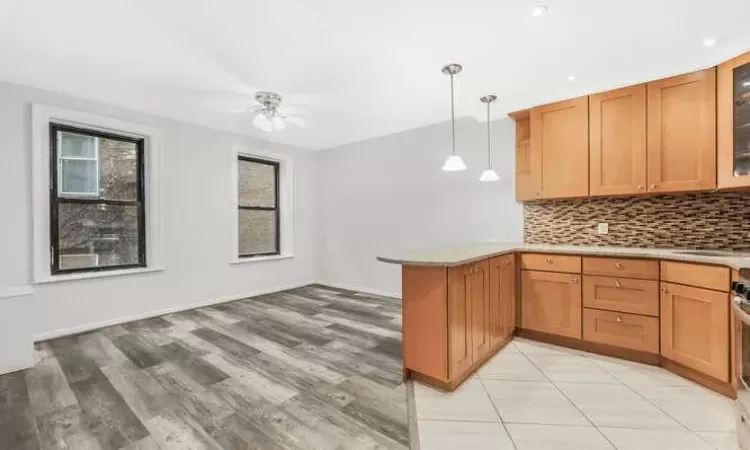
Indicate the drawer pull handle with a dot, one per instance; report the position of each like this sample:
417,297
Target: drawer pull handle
617,284
664,290
618,266
653,186
548,260
618,319
640,187
575,280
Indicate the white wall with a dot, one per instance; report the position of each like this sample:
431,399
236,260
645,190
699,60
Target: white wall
197,205
388,195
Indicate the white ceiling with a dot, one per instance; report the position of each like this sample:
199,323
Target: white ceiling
356,69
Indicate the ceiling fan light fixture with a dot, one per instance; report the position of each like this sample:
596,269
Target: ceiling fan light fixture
262,122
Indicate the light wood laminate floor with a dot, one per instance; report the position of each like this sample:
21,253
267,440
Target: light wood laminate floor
309,368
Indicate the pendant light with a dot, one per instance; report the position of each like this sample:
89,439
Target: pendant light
454,162
489,173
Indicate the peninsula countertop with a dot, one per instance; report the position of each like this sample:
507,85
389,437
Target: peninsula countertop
464,254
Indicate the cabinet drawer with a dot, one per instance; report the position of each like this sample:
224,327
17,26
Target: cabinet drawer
621,294
622,267
551,263
708,277
621,330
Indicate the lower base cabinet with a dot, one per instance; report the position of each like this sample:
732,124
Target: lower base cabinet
695,328
551,303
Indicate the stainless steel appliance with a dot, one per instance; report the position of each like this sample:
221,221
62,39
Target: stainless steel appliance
741,309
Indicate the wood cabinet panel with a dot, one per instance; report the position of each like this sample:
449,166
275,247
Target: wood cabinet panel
621,330
621,267
502,299
528,166
424,318
695,329
551,303
617,141
708,277
560,138
460,356
682,132
621,294
732,121
480,307
551,263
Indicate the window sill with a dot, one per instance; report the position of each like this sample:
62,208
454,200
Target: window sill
261,258
89,275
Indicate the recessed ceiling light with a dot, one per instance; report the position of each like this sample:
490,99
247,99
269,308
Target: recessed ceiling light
571,77
539,10
709,42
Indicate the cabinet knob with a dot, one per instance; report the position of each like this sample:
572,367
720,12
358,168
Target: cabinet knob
574,280
618,266
618,319
548,260
653,186
640,187
617,284
507,263
664,290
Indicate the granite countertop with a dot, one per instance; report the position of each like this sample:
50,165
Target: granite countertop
458,255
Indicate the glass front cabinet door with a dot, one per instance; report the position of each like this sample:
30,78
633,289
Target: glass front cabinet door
733,122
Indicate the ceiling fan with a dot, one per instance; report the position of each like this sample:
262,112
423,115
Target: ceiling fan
268,117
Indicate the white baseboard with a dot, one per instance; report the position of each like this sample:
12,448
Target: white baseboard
120,320
360,289
18,291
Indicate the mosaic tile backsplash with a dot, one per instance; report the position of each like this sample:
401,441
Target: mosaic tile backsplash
706,221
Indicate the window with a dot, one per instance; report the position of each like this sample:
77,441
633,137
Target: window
97,213
258,207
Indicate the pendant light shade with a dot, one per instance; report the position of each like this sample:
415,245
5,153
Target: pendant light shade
489,173
454,163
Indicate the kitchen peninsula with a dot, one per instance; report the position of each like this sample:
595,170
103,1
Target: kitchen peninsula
666,307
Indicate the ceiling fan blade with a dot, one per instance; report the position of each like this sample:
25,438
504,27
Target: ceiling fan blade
243,110
299,121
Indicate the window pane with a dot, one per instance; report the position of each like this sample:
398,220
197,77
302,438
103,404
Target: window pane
118,170
257,232
257,184
77,145
78,177
97,235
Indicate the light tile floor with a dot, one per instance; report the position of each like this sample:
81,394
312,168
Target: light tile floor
537,396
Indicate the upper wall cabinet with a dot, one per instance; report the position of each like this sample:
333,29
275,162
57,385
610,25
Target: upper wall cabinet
617,140
528,182
682,132
560,148
733,121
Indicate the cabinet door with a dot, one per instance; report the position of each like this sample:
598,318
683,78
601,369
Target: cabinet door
459,320
502,299
617,140
733,122
682,133
560,137
480,310
551,303
695,328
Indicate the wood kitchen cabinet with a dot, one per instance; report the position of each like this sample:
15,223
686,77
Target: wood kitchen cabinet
733,122
468,316
551,303
617,141
528,181
502,299
681,124
559,149
695,328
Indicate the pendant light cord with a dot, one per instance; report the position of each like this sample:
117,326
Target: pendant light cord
489,140
453,116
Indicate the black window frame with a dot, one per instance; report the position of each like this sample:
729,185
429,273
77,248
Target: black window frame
276,165
55,199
